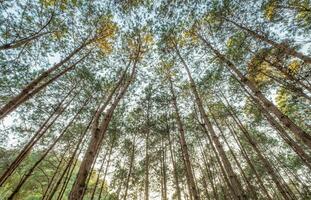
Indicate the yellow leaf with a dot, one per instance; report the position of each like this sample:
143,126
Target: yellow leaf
105,34
294,67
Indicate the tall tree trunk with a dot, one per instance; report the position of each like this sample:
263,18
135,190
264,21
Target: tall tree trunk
69,175
175,173
287,50
236,185
280,130
70,163
105,174
98,133
98,176
24,41
146,196
163,170
51,181
204,183
183,144
35,138
282,186
30,171
209,174
131,164
305,137
65,171
34,86
30,38
250,187
248,160
225,175
91,171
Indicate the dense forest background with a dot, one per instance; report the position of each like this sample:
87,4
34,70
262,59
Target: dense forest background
170,100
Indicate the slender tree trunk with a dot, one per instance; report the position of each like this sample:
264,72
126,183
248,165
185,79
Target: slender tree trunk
183,144
285,49
105,174
44,85
70,163
204,183
98,176
209,177
209,168
65,171
28,174
33,87
119,190
163,167
250,187
175,173
51,182
146,196
282,186
236,185
98,133
34,139
24,41
249,162
132,158
91,171
304,137
296,147
225,176
69,175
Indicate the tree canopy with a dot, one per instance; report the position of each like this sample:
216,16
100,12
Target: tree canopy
170,100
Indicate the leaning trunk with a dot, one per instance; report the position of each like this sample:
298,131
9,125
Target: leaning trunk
304,137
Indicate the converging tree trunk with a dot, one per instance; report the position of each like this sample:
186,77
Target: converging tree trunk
98,133
299,132
236,185
183,145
